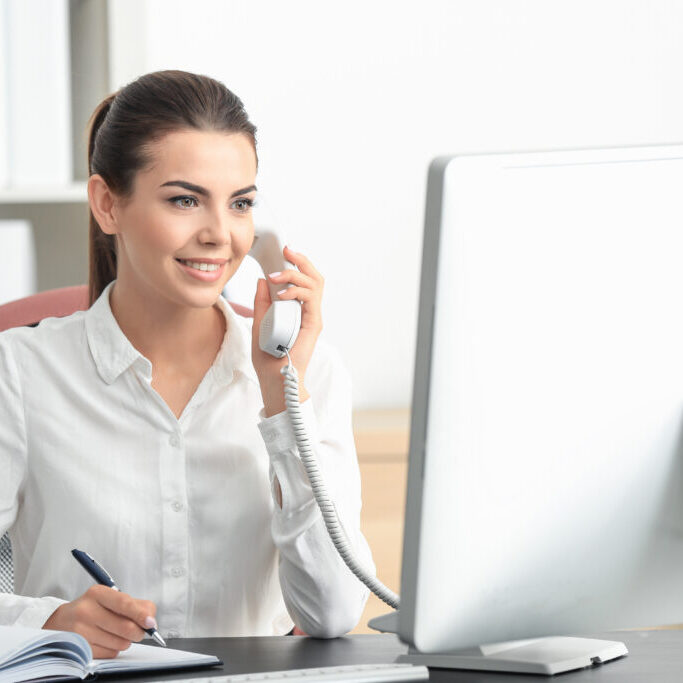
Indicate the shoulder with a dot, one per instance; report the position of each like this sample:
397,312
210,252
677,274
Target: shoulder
326,358
329,382
326,369
51,338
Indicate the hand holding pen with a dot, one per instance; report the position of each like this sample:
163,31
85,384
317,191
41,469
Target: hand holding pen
108,619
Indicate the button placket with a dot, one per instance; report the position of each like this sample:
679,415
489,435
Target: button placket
175,534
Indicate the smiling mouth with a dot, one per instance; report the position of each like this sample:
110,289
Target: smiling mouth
200,266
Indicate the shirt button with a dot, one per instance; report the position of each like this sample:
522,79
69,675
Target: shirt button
173,634
177,571
177,505
174,440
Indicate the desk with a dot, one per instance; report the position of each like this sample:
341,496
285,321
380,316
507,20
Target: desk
654,656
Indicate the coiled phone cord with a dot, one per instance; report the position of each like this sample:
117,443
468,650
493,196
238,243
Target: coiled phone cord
327,508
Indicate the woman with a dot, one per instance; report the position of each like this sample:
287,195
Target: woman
150,429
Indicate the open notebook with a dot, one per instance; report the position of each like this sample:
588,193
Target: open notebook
29,653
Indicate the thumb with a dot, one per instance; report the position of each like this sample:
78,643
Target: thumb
261,302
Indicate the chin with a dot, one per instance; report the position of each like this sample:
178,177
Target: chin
200,298
206,300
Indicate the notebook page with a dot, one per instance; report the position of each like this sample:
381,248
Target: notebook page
16,641
42,668
145,657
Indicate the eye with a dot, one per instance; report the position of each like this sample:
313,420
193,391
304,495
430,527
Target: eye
173,201
245,204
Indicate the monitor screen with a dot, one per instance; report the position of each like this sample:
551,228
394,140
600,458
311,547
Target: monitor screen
545,491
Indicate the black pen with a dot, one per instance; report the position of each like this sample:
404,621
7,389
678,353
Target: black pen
101,575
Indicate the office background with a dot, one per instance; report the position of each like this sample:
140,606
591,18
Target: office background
351,100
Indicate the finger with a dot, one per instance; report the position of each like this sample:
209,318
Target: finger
107,640
301,293
103,653
123,604
295,277
302,263
97,637
262,297
119,626
261,303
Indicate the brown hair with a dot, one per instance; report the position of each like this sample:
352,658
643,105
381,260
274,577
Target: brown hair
126,122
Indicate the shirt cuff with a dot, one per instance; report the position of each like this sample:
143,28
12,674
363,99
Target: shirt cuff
277,432
39,612
286,464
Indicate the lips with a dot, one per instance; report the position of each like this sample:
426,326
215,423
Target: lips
203,270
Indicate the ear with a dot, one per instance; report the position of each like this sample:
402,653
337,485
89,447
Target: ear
102,204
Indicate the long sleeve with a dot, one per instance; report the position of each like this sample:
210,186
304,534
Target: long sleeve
321,594
15,609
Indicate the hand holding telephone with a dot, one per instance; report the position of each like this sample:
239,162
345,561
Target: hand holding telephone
280,326
277,334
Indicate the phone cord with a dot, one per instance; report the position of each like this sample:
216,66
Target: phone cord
327,508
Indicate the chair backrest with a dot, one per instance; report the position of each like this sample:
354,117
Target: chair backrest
30,311
6,565
58,303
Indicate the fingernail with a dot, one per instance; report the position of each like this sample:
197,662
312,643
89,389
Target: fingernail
282,291
150,622
274,274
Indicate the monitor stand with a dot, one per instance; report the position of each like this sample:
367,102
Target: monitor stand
548,656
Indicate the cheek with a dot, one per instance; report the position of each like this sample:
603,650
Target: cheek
161,235
244,239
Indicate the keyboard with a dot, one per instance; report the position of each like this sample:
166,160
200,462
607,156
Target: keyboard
358,673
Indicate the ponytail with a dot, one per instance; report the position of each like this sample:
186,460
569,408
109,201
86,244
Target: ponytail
101,246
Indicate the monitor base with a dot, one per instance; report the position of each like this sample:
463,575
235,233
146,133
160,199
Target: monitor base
547,656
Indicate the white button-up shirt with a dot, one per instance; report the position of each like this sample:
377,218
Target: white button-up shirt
179,511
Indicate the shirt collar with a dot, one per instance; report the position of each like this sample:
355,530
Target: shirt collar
113,353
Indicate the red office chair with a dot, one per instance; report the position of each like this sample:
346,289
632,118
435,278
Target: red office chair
57,303
30,311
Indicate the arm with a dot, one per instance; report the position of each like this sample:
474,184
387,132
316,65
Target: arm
323,597
15,609
321,594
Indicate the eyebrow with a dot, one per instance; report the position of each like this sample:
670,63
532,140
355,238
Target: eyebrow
202,190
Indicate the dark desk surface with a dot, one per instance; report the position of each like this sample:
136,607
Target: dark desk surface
654,656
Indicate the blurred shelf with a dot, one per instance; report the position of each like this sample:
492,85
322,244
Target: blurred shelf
76,192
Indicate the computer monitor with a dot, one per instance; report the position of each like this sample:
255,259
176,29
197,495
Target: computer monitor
545,485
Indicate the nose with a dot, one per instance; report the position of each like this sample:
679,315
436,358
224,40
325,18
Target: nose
217,230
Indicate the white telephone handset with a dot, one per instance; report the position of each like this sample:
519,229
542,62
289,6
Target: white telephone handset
279,330
281,323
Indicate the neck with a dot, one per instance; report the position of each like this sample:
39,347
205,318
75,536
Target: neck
161,330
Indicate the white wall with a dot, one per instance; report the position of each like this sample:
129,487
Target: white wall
352,101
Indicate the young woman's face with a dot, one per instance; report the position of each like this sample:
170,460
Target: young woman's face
188,224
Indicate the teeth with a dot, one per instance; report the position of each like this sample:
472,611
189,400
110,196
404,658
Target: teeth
201,266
